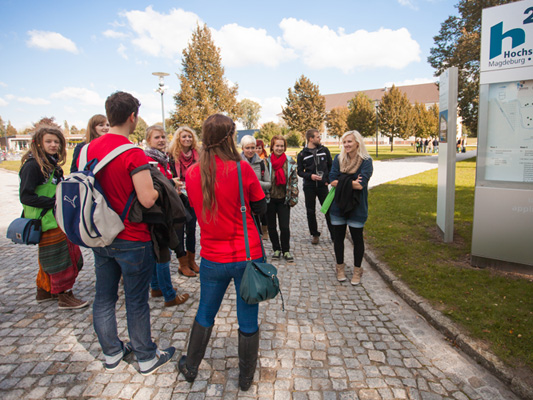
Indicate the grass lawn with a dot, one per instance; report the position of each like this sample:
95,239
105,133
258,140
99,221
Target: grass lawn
15,165
492,306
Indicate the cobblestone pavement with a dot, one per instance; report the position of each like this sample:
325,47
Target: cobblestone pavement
333,341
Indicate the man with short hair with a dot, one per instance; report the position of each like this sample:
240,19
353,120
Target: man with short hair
131,254
314,163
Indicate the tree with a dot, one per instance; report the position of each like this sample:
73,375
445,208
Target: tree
362,116
336,121
306,107
48,121
66,129
203,89
294,139
395,116
139,133
250,112
10,129
74,130
426,120
2,128
268,130
458,45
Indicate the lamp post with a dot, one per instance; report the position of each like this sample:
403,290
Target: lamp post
161,89
376,103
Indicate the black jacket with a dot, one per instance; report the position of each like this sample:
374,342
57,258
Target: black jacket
164,218
308,164
31,176
346,197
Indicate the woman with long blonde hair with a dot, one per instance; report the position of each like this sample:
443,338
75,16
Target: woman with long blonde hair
350,173
213,188
183,154
59,259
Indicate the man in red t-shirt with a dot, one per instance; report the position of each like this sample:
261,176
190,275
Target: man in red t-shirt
131,254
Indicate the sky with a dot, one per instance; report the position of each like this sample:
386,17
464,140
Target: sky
62,58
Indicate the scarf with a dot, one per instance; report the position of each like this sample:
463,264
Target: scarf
350,165
277,165
157,155
185,161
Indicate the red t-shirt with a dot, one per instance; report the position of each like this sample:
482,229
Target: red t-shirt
222,239
166,172
116,181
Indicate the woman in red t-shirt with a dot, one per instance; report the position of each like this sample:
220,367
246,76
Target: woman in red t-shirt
161,284
213,189
183,154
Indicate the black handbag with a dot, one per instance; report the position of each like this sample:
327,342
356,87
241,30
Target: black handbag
26,230
259,281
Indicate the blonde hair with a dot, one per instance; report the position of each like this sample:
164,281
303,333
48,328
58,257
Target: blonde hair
175,146
246,140
37,151
361,150
150,131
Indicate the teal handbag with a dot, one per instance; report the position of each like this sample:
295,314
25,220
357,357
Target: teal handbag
259,281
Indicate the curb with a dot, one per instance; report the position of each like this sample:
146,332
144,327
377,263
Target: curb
473,347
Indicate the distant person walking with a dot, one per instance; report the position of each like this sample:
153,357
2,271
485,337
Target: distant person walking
213,188
314,164
59,259
283,195
184,154
97,126
350,173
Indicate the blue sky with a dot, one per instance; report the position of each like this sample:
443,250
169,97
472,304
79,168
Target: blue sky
63,58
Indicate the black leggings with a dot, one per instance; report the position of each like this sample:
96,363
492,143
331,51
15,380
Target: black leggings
358,244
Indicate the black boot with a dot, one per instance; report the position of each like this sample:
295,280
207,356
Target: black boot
248,351
188,365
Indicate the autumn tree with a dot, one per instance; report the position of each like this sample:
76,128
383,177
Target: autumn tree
305,106
74,130
10,129
48,121
458,45
336,121
268,130
2,128
426,120
66,129
362,116
203,89
139,133
249,112
395,118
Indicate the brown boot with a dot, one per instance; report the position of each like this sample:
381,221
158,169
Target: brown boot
182,298
264,229
43,295
184,268
157,292
341,276
357,273
192,263
67,301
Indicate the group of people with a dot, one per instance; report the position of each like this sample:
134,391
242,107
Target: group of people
207,182
427,145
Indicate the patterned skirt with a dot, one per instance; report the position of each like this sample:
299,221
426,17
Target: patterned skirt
59,262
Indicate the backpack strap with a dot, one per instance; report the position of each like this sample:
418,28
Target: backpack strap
82,159
110,156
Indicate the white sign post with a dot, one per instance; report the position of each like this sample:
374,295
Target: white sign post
503,207
447,137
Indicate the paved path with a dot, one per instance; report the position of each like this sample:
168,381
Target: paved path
334,341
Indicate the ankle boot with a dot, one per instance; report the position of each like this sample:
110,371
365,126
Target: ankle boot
184,268
264,229
248,352
341,276
188,365
192,264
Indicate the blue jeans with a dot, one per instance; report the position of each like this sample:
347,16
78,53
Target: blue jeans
134,261
214,280
161,280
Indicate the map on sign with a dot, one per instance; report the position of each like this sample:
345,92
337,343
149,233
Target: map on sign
510,132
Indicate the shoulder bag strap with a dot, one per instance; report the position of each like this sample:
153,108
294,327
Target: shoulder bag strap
243,211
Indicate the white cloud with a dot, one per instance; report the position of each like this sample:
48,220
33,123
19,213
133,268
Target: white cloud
10,96
270,108
86,96
407,82
321,47
51,40
3,103
114,34
164,35
34,101
122,51
408,3
240,46
3,84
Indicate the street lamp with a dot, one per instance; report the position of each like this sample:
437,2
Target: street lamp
376,104
161,89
